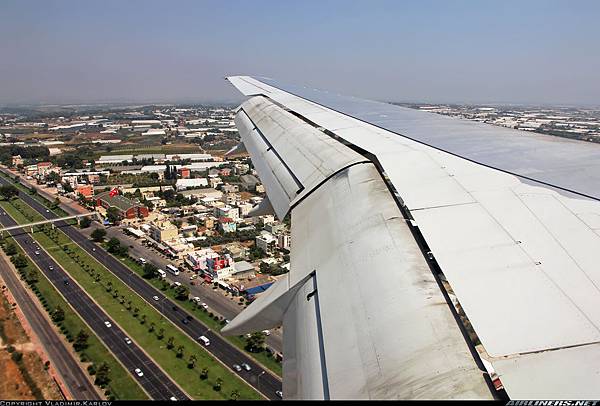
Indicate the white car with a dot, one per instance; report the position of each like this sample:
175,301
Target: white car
204,305
172,398
37,253
47,211
139,372
178,284
266,332
246,366
127,340
155,298
51,268
107,324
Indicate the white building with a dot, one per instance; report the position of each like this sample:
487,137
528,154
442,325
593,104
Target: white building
183,184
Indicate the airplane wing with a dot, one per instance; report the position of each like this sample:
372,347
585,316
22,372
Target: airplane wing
426,250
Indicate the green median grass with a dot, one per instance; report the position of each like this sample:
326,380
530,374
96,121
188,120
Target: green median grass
264,358
122,385
143,325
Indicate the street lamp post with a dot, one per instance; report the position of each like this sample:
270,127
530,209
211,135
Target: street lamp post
258,379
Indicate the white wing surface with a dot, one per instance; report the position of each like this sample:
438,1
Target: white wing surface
386,203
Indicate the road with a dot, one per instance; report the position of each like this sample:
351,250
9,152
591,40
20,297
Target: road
259,378
156,383
74,377
218,303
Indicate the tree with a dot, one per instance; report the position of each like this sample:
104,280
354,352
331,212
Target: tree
192,361
81,341
256,342
102,375
113,215
85,222
150,271
170,343
8,191
10,249
113,245
161,333
204,373
182,292
151,327
98,234
142,318
58,314
180,351
235,395
218,384
20,261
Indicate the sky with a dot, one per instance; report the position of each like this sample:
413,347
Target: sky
526,52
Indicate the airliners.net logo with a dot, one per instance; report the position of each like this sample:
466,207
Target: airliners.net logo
553,403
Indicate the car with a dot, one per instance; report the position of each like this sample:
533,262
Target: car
194,276
47,211
204,305
227,321
279,394
37,253
266,332
237,367
66,282
93,249
138,372
155,298
127,340
178,284
172,398
51,268
246,366
175,308
185,321
107,324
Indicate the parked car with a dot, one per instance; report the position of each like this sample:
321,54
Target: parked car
279,394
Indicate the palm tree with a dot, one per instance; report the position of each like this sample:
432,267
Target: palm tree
170,342
204,373
161,333
151,328
192,361
109,286
235,395
135,312
142,318
218,384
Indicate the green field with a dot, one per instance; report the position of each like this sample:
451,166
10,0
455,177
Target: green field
121,303
122,385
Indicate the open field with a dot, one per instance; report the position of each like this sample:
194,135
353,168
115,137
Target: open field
23,375
141,321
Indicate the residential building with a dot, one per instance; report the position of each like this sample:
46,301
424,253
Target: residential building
87,191
266,241
163,231
227,225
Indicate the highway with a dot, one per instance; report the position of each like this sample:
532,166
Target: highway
155,382
259,378
74,377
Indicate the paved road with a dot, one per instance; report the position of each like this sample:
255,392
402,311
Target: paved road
156,383
216,301
261,379
62,360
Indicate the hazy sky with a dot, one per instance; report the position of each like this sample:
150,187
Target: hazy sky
433,51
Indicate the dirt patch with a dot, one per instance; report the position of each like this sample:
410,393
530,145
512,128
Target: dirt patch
23,375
